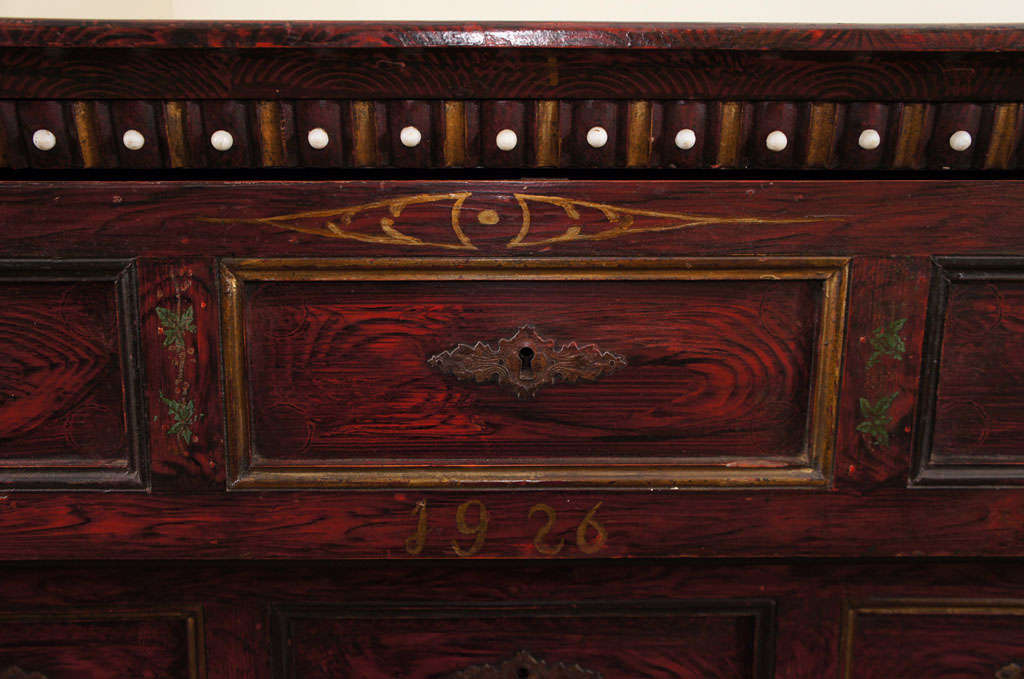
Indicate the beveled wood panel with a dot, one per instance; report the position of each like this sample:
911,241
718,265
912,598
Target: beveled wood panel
109,642
331,383
938,637
70,413
970,429
650,639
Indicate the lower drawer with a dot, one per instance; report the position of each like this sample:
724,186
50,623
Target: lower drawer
102,643
937,638
646,640
686,619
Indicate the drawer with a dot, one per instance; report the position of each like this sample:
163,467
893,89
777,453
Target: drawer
647,640
69,375
102,644
971,430
440,372
928,637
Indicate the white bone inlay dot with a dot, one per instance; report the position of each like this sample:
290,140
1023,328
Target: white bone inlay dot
222,140
960,140
318,138
410,136
776,141
506,140
597,137
133,140
686,139
869,140
44,140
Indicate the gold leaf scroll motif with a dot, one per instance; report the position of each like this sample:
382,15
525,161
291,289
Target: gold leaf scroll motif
338,223
620,221
617,221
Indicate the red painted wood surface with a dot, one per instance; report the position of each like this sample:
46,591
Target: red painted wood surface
217,219
682,395
667,35
70,645
716,640
240,601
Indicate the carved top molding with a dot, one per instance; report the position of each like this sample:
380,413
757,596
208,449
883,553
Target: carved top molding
540,35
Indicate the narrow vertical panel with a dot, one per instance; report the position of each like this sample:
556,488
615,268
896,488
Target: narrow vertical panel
175,132
1005,136
271,143
404,114
15,155
950,120
140,116
639,133
231,117
92,131
863,120
319,114
548,138
182,376
473,134
364,134
588,116
774,121
495,117
679,118
823,125
49,116
732,126
289,147
566,127
657,127
454,149
915,123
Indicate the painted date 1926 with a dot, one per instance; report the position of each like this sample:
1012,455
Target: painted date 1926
472,520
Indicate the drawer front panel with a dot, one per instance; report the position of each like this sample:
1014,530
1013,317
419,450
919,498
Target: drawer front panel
972,429
102,645
499,641
954,638
69,413
664,372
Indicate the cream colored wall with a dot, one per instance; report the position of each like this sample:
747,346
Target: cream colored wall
799,11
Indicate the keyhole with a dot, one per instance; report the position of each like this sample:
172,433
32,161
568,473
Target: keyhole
523,673
526,361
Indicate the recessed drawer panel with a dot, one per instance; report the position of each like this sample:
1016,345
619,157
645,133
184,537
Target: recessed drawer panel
933,638
442,372
69,379
971,424
650,640
102,644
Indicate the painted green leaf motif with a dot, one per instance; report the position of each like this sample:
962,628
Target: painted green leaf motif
184,415
875,426
176,325
886,341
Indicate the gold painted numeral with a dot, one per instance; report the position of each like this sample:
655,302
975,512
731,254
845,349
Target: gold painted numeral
414,543
538,539
586,546
479,530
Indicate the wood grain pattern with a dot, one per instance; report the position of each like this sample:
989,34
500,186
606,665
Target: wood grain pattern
968,430
371,73
70,415
667,639
927,631
385,327
105,642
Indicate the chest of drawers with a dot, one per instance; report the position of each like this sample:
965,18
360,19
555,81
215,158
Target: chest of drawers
518,352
